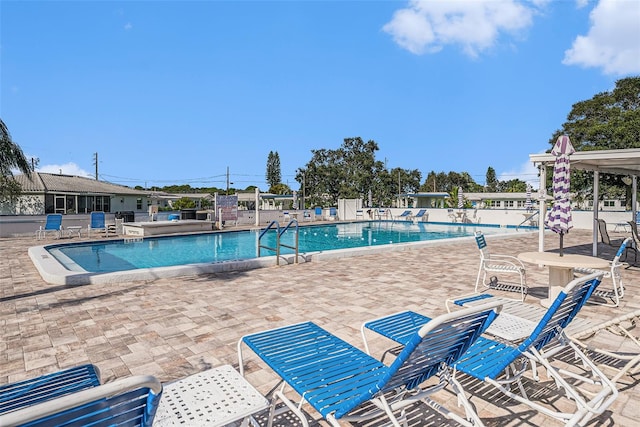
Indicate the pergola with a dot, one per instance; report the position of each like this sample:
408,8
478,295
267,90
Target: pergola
617,162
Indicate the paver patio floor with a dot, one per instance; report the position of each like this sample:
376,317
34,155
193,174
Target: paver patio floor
172,328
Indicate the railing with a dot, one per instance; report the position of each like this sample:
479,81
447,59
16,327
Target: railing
295,246
275,226
530,219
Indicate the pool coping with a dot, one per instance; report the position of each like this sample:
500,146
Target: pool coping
53,272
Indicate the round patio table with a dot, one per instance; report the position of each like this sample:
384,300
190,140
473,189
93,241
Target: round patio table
561,268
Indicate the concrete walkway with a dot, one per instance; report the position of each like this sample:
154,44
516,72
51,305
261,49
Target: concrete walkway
172,328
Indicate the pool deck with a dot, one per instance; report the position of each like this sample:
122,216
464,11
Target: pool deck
174,327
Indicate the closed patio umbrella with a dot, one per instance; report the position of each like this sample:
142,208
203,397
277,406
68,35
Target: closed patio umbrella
527,204
559,220
460,198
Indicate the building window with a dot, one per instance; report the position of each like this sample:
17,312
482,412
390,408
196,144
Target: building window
508,203
49,204
494,203
609,203
139,204
106,204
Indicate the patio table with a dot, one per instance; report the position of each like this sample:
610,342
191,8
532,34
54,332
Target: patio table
561,268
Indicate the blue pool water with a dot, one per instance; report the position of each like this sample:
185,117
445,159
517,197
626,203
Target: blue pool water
121,255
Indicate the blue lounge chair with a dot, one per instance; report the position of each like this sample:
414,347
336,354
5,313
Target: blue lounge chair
500,363
32,391
53,224
404,215
337,379
130,401
420,215
97,223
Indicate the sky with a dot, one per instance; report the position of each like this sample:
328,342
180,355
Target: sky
180,92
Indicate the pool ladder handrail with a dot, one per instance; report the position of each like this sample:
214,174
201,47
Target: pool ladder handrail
529,219
279,232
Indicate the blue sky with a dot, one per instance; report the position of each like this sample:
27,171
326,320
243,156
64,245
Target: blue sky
174,92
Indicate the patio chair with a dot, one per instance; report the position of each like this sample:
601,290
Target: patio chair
17,395
621,360
636,241
53,224
611,296
498,264
129,401
343,383
610,343
421,215
404,215
604,234
503,361
97,223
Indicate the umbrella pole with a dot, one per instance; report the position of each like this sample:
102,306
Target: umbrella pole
561,242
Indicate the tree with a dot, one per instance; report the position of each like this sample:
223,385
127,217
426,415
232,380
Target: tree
512,186
183,203
351,172
609,120
11,157
492,181
274,176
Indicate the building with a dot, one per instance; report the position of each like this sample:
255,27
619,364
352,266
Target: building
45,193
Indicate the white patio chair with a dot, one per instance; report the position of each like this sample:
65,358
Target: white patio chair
611,296
491,264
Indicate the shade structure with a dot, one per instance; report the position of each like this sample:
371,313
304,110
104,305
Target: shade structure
559,220
527,204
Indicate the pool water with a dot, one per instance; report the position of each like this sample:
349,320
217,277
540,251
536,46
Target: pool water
130,254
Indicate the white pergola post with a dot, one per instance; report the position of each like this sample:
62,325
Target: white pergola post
634,201
542,203
257,206
596,185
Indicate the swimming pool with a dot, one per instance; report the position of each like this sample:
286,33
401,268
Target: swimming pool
198,252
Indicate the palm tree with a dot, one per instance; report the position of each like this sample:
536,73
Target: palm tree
11,157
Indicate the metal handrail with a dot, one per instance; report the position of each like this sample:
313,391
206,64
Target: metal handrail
277,248
279,232
528,219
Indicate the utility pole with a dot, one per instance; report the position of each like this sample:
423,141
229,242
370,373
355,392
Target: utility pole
227,180
95,162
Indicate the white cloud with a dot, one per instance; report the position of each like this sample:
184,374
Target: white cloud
613,40
65,169
426,26
128,26
526,172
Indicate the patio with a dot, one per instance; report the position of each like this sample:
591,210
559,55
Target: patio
171,328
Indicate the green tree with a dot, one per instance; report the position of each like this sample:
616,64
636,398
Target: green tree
492,181
280,189
512,186
274,176
609,120
183,203
11,157
351,172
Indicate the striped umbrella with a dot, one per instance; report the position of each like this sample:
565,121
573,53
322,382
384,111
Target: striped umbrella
460,198
559,220
527,204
